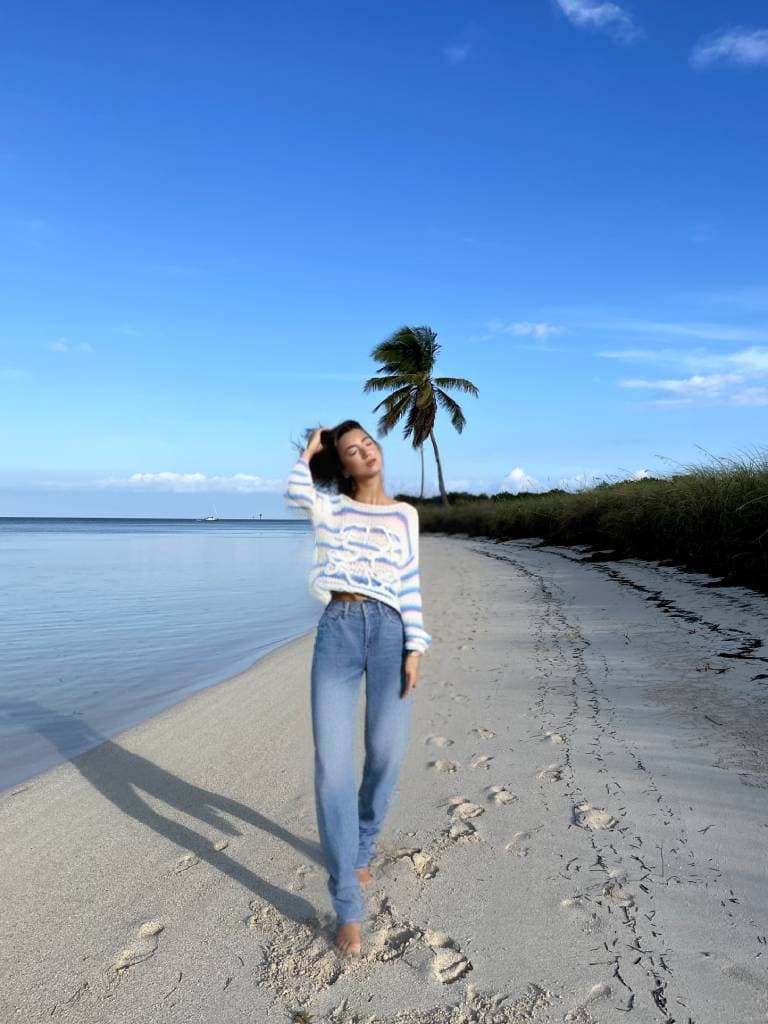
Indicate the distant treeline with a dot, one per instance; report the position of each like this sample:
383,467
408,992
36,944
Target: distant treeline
710,518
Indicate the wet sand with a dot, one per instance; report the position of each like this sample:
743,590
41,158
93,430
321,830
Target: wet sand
579,832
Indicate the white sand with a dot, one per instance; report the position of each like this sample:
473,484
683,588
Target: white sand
580,831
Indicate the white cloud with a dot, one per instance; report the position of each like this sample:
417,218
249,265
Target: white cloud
715,388
457,53
518,480
737,45
698,384
577,482
752,360
524,328
601,17
64,345
706,332
240,483
734,378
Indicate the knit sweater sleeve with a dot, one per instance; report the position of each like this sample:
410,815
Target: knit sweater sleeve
416,637
300,491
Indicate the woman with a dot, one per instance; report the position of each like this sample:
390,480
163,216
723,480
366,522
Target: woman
366,572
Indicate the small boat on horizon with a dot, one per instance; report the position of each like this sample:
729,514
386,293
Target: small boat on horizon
210,519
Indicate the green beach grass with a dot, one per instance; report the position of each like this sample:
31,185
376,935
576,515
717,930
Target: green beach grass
709,518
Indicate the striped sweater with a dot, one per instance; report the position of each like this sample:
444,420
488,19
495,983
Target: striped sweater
368,549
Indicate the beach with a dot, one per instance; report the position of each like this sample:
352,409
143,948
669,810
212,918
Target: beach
578,834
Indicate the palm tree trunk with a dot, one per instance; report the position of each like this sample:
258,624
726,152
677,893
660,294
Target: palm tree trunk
440,480
421,449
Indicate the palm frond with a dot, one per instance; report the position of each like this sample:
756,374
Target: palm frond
392,380
459,383
458,420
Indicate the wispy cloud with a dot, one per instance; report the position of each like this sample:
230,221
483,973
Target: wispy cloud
601,17
715,388
240,483
683,329
737,45
128,330
751,360
524,328
719,378
539,331
457,53
64,345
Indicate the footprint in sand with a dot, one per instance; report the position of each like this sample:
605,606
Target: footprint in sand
552,773
594,818
483,734
187,861
299,958
554,737
614,890
449,965
592,922
443,766
423,863
143,948
438,741
481,761
301,873
581,1014
391,938
460,698
519,844
461,807
500,795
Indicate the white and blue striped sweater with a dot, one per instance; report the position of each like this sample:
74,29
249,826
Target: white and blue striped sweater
362,548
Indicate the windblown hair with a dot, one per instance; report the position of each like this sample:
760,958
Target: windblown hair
325,465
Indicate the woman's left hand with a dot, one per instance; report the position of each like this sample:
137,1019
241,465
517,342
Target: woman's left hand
411,670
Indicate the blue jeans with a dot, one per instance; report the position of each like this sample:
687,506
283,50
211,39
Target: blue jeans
355,637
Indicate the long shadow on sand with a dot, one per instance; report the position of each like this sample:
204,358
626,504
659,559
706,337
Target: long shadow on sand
119,775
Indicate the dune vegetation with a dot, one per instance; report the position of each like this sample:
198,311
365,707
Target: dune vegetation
710,518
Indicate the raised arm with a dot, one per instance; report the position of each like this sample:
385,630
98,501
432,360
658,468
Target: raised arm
300,492
416,637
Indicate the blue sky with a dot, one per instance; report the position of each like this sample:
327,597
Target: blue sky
211,213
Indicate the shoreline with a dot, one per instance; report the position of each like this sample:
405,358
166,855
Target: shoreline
178,698
577,828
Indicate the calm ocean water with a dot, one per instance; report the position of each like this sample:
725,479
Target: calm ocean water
104,622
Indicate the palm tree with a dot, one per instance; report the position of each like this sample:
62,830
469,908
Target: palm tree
408,357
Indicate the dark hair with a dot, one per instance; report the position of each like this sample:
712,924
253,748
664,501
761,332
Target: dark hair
325,465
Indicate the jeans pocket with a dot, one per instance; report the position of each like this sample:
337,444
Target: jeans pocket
332,611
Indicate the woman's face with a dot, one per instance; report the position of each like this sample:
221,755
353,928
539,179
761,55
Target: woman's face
359,454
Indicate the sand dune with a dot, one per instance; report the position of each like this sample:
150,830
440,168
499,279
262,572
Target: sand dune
579,833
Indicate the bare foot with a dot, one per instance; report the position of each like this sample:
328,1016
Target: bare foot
363,875
348,938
